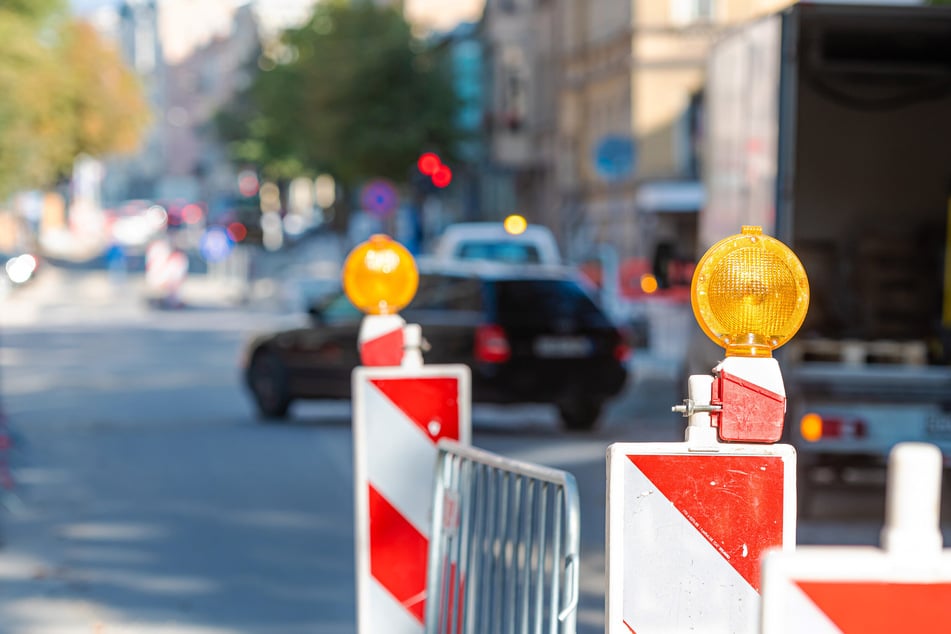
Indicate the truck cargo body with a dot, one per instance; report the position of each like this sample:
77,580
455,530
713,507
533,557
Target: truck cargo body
830,126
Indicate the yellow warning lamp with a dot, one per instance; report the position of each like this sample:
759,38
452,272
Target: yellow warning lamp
380,276
515,224
750,293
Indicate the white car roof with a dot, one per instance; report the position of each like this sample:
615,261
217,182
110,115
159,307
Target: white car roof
457,235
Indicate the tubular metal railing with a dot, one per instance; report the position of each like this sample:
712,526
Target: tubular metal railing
503,554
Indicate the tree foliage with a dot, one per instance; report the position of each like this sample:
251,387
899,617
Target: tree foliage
352,92
33,10
63,92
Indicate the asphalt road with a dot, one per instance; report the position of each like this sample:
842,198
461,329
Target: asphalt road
153,501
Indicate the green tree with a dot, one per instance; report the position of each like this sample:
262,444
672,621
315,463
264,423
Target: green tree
63,92
34,10
352,92
106,110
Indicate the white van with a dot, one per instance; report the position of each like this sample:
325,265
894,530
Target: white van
490,241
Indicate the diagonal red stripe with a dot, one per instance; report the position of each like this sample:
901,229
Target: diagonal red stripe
883,608
386,350
431,403
398,554
736,502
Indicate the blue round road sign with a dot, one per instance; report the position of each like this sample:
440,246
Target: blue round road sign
614,157
379,197
215,244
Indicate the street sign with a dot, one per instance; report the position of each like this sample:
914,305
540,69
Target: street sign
399,415
903,587
615,157
686,528
379,197
215,244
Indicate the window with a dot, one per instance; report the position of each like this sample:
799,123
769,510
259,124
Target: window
339,310
685,12
438,292
541,302
512,252
514,89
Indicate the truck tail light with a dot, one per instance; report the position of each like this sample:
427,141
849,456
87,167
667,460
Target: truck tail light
814,427
491,344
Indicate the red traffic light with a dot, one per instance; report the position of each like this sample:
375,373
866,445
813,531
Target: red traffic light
442,176
428,163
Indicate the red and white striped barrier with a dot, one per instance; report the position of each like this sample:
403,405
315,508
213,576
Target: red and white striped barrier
903,587
399,414
381,340
687,523
165,271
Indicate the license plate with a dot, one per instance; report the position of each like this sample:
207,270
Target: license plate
562,347
939,425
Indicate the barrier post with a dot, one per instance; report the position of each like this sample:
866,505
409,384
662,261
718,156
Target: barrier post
904,586
401,409
688,522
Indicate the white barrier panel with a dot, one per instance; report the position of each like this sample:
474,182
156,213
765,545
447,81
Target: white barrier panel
399,415
903,587
686,530
687,524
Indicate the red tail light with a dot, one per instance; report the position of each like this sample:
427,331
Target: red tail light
491,344
814,427
842,428
622,351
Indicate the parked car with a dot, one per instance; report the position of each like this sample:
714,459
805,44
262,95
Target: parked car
490,241
135,223
529,334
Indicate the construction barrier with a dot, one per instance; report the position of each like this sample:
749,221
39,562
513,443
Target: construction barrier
165,272
399,414
686,526
401,409
905,586
504,549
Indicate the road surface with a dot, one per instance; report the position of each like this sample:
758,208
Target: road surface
153,501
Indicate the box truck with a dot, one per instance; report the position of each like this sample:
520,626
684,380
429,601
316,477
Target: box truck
830,127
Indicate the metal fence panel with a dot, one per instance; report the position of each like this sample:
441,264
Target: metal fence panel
504,549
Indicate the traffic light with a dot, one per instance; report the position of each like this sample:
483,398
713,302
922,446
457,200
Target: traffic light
428,163
442,176
432,166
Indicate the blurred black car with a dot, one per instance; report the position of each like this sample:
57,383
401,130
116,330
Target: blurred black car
528,335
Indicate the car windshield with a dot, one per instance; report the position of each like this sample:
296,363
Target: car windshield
536,302
442,292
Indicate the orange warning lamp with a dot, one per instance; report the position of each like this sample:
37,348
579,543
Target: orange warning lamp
750,293
380,276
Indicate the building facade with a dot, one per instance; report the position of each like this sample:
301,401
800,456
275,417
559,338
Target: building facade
192,57
595,115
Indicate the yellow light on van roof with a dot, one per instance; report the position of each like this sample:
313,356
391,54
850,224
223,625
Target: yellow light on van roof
380,276
515,224
750,293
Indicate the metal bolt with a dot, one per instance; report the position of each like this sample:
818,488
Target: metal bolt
689,408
